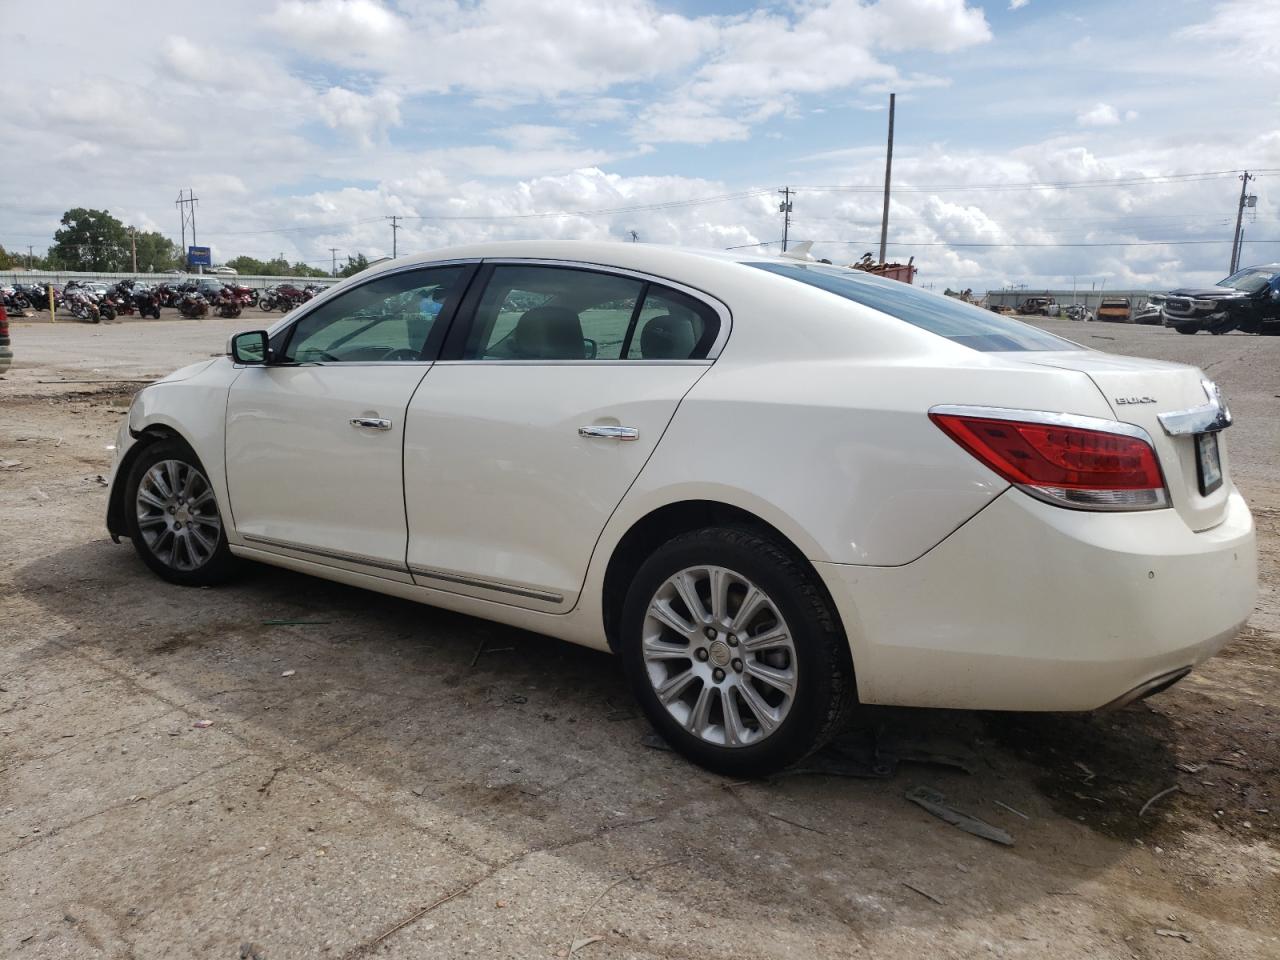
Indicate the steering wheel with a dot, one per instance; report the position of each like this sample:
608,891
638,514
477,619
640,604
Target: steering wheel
402,353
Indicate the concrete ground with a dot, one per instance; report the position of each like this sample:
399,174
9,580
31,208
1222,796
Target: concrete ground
288,768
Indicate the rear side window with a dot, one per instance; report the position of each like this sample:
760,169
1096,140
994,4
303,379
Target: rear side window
953,319
531,312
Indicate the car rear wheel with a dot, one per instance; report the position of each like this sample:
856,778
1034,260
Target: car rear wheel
734,652
1189,327
172,516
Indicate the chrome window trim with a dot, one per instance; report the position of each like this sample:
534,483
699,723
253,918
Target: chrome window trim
305,309
340,555
722,311
430,573
1206,418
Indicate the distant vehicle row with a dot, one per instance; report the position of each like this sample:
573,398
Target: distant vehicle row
96,300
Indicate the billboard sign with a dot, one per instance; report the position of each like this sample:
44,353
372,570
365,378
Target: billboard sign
199,257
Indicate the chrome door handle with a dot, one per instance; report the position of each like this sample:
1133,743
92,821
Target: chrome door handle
609,433
373,423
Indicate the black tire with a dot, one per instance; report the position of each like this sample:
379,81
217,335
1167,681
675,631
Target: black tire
1188,326
825,693
220,564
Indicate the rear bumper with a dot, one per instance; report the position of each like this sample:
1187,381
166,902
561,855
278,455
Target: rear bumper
1029,606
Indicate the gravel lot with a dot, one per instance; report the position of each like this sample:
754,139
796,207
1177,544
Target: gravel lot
386,779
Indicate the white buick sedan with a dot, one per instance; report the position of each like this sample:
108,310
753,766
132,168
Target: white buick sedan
775,488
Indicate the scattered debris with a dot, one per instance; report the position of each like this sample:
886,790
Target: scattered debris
100,480
10,464
202,724
419,791
1089,774
1162,793
845,758
793,823
1191,767
1176,934
584,942
293,623
251,951
924,893
479,650
654,742
1011,809
39,495
288,673
935,803
632,875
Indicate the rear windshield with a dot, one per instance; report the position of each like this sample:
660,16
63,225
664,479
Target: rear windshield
954,319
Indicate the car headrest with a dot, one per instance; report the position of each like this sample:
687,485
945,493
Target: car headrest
549,333
666,337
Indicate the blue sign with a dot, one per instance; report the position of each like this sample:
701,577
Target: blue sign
199,257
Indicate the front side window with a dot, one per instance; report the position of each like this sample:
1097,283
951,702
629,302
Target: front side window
387,319
945,316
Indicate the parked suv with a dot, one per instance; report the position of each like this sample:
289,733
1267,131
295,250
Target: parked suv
1248,300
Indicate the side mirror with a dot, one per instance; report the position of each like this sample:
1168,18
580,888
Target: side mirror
249,347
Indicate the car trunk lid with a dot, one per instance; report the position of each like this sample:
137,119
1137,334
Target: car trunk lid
1138,392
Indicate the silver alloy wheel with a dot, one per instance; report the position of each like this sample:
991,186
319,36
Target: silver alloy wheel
177,515
719,656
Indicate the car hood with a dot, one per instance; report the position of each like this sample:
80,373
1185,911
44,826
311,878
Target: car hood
1206,293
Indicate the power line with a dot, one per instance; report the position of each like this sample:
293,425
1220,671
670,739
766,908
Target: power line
949,243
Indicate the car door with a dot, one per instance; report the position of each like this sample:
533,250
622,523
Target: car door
314,439
554,388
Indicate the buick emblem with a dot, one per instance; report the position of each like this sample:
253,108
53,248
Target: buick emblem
1135,399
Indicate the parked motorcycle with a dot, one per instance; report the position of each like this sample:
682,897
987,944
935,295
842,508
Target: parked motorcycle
81,305
227,303
16,300
146,301
193,306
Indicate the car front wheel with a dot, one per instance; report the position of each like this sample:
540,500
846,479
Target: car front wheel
734,652
172,516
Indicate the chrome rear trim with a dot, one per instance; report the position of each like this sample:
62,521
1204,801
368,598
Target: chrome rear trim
1207,418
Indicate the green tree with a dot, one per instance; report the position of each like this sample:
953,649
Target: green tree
301,269
90,240
354,265
251,266
156,252
8,261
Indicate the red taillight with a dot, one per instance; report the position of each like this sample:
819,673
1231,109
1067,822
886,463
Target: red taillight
4,321
1093,469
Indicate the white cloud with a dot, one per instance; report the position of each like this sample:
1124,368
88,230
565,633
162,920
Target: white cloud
1243,30
1099,115
366,118
338,30
1018,4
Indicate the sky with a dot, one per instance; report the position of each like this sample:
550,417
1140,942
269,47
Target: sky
1037,142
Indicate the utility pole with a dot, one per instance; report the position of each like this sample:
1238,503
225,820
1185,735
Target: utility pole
333,271
888,174
31,258
784,208
395,226
1236,237
133,247
187,211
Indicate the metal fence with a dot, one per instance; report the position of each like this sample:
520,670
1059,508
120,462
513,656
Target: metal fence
62,276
